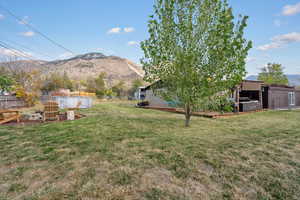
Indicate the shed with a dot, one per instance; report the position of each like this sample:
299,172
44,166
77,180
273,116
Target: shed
280,97
248,96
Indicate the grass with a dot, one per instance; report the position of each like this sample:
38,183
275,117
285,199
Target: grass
121,152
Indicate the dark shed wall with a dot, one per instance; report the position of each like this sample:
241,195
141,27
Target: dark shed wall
297,94
278,97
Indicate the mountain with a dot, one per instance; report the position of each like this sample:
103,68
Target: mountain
83,67
294,79
86,66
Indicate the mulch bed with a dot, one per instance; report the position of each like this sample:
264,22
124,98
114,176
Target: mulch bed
213,115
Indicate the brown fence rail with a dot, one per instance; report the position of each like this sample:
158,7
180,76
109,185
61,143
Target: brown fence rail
7,102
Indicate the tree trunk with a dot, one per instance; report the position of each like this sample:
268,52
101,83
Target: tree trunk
187,115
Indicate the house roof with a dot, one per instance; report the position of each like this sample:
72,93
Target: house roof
252,81
149,86
279,86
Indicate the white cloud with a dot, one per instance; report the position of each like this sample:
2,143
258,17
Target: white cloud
28,34
1,16
280,41
129,29
13,53
267,47
115,30
24,20
133,43
289,10
288,38
6,52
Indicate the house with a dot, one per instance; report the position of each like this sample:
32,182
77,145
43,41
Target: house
247,96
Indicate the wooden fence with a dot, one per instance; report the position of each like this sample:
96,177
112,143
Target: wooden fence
7,102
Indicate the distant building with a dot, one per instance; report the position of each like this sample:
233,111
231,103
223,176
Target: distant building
140,94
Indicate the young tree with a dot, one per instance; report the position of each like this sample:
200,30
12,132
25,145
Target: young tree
195,49
27,79
119,89
97,85
6,83
273,74
135,85
52,82
28,85
109,93
67,82
100,85
57,81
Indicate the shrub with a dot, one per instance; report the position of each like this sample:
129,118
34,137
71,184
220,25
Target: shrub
219,103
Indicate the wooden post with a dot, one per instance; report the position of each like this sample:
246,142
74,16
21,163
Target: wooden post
18,117
238,99
260,99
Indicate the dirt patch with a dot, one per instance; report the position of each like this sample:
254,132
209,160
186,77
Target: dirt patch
206,168
196,189
162,179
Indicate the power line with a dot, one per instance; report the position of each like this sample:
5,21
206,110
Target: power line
36,30
27,48
20,52
15,51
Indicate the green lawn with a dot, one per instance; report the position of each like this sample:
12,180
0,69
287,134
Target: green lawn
121,152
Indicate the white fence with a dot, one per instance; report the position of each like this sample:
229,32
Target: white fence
72,102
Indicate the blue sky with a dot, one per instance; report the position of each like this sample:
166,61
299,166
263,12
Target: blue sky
115,27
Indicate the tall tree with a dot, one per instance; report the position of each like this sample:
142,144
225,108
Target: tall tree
273,74
195,49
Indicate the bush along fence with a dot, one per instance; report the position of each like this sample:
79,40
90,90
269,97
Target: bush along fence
7,102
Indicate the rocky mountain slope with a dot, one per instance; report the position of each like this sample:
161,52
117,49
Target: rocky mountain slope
83,67
89,65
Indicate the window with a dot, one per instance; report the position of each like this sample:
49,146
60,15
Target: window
291,98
